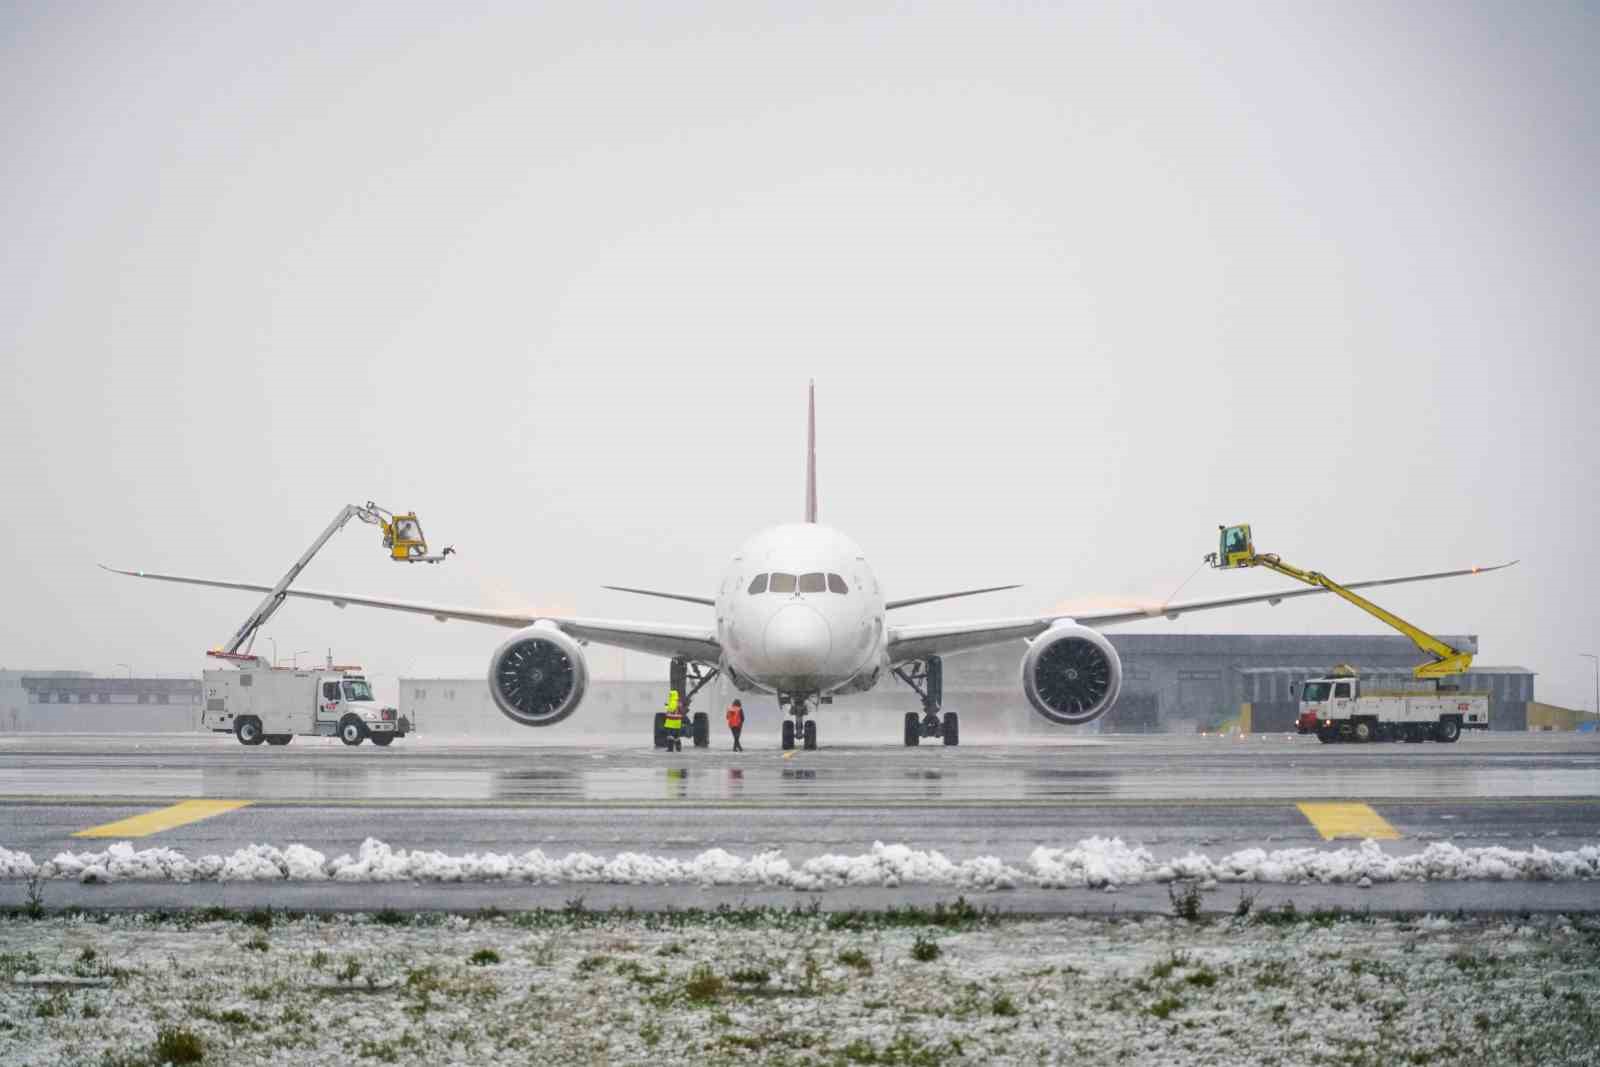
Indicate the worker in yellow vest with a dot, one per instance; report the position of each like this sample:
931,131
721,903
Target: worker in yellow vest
673,726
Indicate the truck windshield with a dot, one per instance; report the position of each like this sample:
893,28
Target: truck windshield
1315,692
357,691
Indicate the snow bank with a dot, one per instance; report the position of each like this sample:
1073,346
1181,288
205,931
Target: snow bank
1094,863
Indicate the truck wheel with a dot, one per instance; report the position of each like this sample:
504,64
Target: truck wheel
1448,730
248,730
1363,731
351,730
382,740
280,739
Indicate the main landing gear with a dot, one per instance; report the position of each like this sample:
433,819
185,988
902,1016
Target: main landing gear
797,726
688,678
926,679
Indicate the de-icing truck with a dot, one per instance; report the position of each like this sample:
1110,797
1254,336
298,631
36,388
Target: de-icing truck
1335,709
259,703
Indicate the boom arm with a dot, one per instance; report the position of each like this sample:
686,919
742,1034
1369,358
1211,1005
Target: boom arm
1238,550
274,598
402,535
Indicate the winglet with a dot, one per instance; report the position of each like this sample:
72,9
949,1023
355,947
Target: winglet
811,453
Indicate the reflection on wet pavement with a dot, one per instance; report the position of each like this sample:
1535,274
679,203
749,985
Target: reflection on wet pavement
1130,768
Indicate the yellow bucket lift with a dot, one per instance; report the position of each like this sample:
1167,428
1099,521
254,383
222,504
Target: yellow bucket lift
1236,549
402,536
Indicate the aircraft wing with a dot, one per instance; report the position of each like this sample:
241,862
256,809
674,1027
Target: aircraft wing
698,643
908,643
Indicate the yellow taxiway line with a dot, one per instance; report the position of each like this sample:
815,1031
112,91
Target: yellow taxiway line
1348,820
153,822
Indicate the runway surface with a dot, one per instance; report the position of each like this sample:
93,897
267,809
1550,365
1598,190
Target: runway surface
1168,794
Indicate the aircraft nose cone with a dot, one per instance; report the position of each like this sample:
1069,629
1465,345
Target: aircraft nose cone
797,642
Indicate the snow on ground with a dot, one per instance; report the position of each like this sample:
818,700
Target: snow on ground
797,987
1093,862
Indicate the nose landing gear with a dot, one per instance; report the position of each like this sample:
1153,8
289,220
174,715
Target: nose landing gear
926,679
797,726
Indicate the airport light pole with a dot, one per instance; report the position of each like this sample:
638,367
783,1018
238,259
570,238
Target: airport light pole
1596,659
274,642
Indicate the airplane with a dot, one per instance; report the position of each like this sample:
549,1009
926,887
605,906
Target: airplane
800,614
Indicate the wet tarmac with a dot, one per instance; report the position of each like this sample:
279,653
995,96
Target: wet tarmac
1170,795
1161,767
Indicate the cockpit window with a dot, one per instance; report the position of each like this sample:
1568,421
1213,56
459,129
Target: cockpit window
836,584
357,691
758,584
814,582
781,583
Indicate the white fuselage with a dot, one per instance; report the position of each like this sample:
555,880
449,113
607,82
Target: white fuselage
799,611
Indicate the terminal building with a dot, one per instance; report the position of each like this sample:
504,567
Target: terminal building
1178,683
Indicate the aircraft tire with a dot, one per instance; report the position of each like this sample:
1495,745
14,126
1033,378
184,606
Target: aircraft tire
810,735
788,735
661,731
952,729
702,730
913,729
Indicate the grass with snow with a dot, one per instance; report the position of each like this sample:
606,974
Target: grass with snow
952,985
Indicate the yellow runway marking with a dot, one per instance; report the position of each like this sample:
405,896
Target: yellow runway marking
1348,820
153,822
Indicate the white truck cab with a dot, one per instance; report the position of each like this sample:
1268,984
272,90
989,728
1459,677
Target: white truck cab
259,703
1336,709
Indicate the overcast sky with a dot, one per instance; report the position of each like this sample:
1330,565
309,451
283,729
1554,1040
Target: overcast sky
1076,285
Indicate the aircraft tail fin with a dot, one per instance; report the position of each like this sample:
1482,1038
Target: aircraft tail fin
811,454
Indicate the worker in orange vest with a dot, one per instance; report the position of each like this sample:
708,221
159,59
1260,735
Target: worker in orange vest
736,723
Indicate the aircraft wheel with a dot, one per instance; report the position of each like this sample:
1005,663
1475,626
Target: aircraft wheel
1448,730
810,734
247,729
702,730
788,734
661,730
913,729
382,740
351,730
952,729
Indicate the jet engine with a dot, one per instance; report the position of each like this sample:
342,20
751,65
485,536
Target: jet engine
1071,674
538,676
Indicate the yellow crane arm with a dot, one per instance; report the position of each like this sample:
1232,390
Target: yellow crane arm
1447,659
1236,549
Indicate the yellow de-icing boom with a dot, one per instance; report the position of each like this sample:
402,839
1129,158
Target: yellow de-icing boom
1235,550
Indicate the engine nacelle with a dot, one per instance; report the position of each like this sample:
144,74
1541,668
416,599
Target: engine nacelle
1071,674
538,677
